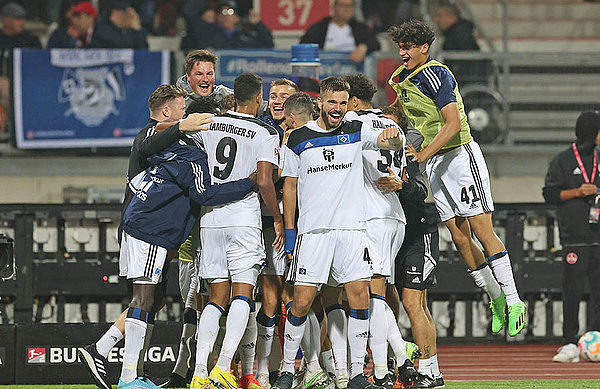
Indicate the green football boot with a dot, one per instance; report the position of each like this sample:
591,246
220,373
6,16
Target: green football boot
498,306
516,318
412,351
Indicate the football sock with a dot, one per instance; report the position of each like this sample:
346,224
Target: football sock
394,337
502,268
276,351
147,339
237,319
337,327
108,340
484,278
425,366
248,345
205,339
379,331
294,330
135,328
328,363
264,342
311,355
358,334
190,320
435,368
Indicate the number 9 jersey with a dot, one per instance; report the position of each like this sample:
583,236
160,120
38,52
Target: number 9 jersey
379,205
235,143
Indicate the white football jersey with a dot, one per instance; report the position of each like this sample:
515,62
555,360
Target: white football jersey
328,165
235,143
380,205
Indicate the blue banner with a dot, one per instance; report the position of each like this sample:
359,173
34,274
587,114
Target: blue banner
66,98
274,64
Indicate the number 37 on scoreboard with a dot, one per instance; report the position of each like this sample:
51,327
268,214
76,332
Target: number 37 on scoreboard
291,15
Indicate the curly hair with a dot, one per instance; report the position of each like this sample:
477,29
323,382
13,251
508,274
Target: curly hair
361,86
414,31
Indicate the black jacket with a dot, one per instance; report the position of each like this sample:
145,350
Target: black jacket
564,174
362,34
202,35
460,37
22,40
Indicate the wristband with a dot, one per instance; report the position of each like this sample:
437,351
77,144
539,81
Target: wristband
290,240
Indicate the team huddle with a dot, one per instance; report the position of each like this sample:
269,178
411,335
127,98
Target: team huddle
317,213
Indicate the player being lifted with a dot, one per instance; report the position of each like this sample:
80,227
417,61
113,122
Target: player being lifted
322,163
385,227
232,246
456,170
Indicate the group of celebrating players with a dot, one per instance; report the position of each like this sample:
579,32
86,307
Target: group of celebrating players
319,212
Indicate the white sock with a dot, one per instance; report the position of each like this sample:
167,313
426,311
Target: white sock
311,354
183,357
276,355
108,341
485,280
378,328
147,339
435,368
327,360
292,338
205,339
504,274
134,342
337,327
394,337
264,343
248,345
358,334
425,366
237,319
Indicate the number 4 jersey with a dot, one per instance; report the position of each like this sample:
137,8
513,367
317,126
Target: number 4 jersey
235,143
379,205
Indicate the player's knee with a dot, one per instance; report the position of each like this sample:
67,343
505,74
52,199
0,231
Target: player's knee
144,302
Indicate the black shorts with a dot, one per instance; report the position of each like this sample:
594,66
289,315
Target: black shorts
417,260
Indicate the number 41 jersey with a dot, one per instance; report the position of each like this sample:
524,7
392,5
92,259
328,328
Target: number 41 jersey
380,205
235,143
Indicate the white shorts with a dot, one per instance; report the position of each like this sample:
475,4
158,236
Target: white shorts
276,262
228,251
460,182
384,239
140,261
337,253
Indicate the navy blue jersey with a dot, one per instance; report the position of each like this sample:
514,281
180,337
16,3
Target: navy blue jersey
435,82
167,202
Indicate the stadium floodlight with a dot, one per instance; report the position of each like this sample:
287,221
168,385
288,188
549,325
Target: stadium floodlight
7,258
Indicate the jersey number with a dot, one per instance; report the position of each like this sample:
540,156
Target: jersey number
225,154
464,194
387,155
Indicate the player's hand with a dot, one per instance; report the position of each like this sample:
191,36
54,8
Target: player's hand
389,183
195,122
417,156
389,133
279,234
586,190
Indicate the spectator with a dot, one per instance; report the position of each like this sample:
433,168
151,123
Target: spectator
342,32
222,28
122,31
458,35
571,183
65,35
12,33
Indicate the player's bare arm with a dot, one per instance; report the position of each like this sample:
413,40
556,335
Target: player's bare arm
195,122
264,179
448,131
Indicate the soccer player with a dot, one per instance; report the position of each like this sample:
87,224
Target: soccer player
166,104
199,77
428,93
272,274
322,164
233,252
385,227
417,259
